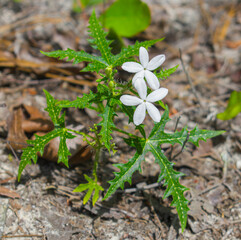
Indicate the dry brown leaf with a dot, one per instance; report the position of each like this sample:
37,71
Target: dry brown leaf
16,135
8,193
7,180
35,125
36,121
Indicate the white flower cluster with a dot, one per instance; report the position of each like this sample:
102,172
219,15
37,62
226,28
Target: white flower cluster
142,71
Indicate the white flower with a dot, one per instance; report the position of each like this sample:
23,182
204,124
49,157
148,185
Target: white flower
144,102
144,69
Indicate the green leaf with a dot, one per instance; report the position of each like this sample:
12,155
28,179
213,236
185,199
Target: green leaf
92,186
233,108
132,50
127,17
168,174
86,101
38,145
163,74
63,151
81,102
198,134
125,173
53,109
96,64
107,124
94,67
174,188
99,40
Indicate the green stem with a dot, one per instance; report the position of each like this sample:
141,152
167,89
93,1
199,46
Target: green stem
80,133
97,157
100,107
126,133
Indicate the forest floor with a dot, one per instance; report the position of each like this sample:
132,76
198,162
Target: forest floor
42,205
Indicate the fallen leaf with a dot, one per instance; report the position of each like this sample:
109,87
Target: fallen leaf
16,135
8,193
36,121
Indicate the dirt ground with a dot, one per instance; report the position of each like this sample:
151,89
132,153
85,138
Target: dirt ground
42,205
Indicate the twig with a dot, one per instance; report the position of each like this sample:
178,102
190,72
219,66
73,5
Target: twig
131,190
17,143
14,153
189,79
178,119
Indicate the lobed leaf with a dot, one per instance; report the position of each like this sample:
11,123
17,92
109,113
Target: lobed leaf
199,134
81,102
38,145
125,173
96,64
163,74
92,186
63,151
168,174
174,188
107,124
53,109
99,40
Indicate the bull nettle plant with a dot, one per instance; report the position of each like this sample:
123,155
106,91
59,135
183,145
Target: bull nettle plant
108,100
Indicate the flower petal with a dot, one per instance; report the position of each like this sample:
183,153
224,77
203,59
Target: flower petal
156,62
132,67
141,87
153,112
129,100
136,76
157,95
152,80
143,56
139,114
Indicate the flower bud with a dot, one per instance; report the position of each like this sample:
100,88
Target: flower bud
108,71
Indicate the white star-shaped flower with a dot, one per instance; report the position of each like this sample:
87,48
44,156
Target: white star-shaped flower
144,102
144,69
